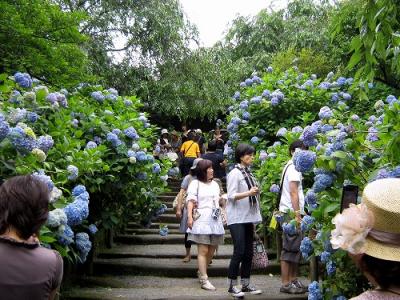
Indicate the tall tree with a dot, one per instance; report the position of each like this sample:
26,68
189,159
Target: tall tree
38,37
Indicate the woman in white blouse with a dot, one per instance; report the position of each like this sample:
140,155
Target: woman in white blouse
205,226
243,212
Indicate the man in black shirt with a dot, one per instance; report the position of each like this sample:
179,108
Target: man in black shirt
217,160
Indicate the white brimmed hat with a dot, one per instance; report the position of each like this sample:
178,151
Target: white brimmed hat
164,131
195,162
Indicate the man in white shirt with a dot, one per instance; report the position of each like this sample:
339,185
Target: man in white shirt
292,199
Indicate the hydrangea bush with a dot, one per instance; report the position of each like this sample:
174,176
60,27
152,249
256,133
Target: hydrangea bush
93,149
348,142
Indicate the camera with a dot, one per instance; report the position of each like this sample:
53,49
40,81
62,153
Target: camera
216,212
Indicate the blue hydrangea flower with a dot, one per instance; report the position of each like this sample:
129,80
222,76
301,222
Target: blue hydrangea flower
22,142
274,188
261,132
242,84
40,175
306,223
135,147
308,136
256,100
76,212
17,115
4,129
355,117
372,135
277,143
244,104
314,291
164,230
395,172
339,297
306,247
52,98
341,81
324,85
92,229
330,268
141,156
141,176
281,132
278,94
32,117
304,160
346,96
24,80
274,101
83,244
325,257
77,190
128,102
98,96
142,119
254,140
266,94
335,97
246,115
263,155
65,235
131,133
248,81
73,172
391,99
311,198
131,153
84,196
91,145
113,138
270,69
236,96
322,182
156,169
289,228
325,113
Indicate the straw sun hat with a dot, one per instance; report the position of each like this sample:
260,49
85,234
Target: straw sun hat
372,227
382,198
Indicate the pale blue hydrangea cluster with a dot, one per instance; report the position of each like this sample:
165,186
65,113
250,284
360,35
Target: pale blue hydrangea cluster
65,235
164,230
57,99
4,128
281,132
98,96
128,102
297,129
56,218
73,172
40,175
263,155
311,199
32,117
322,181
261,132
325,113
91,145
330,268
254,140
306,223
45,143
309,136
131,133
142,176
236,96
141,156
83,244
21,140
325,257
16,115
304,160
156,169
114,139
274,188
244,104
289,228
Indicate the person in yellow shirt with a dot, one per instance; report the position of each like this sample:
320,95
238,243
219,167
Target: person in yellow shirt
189,152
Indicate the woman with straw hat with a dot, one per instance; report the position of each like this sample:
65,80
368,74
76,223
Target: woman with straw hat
370,232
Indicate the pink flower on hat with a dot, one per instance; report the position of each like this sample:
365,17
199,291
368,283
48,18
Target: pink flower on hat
352,228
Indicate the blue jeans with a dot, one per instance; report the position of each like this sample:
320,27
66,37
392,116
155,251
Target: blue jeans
242,237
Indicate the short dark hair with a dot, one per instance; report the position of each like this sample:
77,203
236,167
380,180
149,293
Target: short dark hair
385,272
212,145
296,144
201,169
242,150
191,135
24,205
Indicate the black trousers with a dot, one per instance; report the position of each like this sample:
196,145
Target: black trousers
188,244
242,237
187,163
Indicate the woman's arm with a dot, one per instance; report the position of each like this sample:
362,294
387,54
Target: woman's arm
179,206
190,213
232,183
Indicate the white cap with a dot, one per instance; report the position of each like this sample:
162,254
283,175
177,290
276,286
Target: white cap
198,131
163,131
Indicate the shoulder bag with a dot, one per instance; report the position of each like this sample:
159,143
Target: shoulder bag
260,256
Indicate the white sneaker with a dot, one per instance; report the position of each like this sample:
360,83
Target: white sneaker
206,284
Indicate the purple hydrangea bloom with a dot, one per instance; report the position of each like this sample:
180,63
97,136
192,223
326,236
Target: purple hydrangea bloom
45,143
156,169
274,188
281,132
372,135
113,138
236,121
248,82
355,117
297,129
335,97
98,96
76,212
325,113
236,96
128,102
395,172
131,133
324,85
244,104
308,136
391,99
246,115
346,96
266,94
274,101
263,155
341,81
256,100
24,80
304,160
270,69
32,117
278,94
91,145
40,175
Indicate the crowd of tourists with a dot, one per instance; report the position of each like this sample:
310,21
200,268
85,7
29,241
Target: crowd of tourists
30,271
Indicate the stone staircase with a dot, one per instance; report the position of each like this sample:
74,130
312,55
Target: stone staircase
144,265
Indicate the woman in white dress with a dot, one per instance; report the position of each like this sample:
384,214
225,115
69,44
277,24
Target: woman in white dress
205,225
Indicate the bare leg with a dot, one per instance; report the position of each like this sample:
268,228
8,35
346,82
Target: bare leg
202,258
187,256
210,254
293,271
285,272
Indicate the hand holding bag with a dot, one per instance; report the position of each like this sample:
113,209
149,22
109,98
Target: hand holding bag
260,257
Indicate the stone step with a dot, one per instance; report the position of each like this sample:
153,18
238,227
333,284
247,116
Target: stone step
151,239
152,287
169,267
134,225
165,198
156,231
165,251
168,218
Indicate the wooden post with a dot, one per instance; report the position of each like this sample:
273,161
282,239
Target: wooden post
314,268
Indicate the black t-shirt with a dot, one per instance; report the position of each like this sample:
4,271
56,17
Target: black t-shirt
216,158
